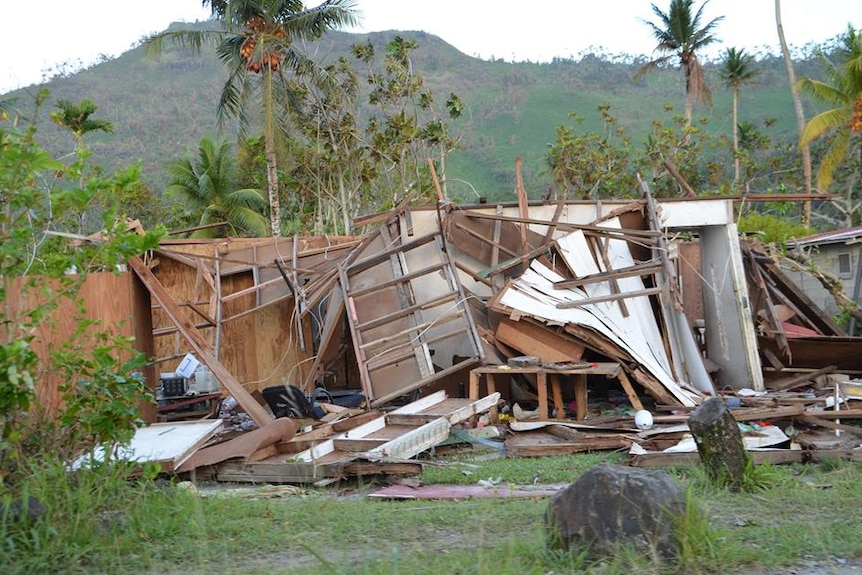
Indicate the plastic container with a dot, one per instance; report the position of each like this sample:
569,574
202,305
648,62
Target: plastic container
188,366
205,381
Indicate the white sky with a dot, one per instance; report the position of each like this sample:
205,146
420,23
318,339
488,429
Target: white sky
79,32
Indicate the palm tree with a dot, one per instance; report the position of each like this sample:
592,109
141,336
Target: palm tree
257,46
680,35
843,89
800,112
77,119
736,71
206,183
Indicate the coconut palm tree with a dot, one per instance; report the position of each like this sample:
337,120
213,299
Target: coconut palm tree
206,185
842,89
799,111
258,48
680,35
736,71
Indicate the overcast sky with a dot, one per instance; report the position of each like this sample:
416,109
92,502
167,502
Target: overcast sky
36,44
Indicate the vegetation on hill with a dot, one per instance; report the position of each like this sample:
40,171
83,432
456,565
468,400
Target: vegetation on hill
162,109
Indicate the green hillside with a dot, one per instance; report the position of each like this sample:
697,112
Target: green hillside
161,109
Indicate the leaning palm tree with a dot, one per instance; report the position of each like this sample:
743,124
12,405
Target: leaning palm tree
206,186
258,48
842,89
805,151
736,71
680,35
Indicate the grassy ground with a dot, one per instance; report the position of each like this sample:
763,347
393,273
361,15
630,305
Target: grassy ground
801,513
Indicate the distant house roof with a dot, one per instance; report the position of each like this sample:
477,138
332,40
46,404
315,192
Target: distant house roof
834,237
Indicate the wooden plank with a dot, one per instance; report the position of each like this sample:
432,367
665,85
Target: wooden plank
414,419
523,207
398,314
542,341
555,220
496,246
623,233
838,427
360,468
515,448
398,280
242,446
356,445
798,297
382,256
647,268
803,380
285,472
760,456
629,390
765,302
602,245
609,297
198,343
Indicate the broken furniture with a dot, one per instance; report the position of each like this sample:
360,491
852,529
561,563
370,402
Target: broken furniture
543,374
188,406
370,448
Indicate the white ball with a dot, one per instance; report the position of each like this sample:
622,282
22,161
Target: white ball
643,419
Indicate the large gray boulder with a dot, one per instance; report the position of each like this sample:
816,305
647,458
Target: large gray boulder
613,505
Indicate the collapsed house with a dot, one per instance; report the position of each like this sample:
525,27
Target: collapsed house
443,316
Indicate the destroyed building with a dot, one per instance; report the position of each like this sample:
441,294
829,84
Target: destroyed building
447,316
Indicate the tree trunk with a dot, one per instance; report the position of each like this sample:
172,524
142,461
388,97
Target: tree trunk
735,137
719,443
800,113
271,161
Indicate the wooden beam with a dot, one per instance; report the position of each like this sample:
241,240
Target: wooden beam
567,225
648,268
802,380
609,297
198,343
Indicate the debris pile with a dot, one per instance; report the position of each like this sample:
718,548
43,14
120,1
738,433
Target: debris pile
555,322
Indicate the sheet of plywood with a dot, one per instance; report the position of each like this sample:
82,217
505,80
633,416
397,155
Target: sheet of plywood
168,444
245,445
530,338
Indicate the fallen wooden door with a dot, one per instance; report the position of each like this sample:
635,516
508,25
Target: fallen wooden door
408,315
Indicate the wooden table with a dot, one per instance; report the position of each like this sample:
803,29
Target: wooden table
578,376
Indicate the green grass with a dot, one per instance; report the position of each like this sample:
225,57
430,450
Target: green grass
111,524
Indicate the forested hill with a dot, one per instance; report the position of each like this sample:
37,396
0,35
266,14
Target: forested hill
160,109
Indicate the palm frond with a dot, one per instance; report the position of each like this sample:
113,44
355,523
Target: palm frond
827,93
822,123
832,158
193,40
312,23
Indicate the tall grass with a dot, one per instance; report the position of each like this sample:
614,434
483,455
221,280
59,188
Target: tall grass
113,521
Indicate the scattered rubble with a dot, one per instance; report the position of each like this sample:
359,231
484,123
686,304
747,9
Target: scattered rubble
575,314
